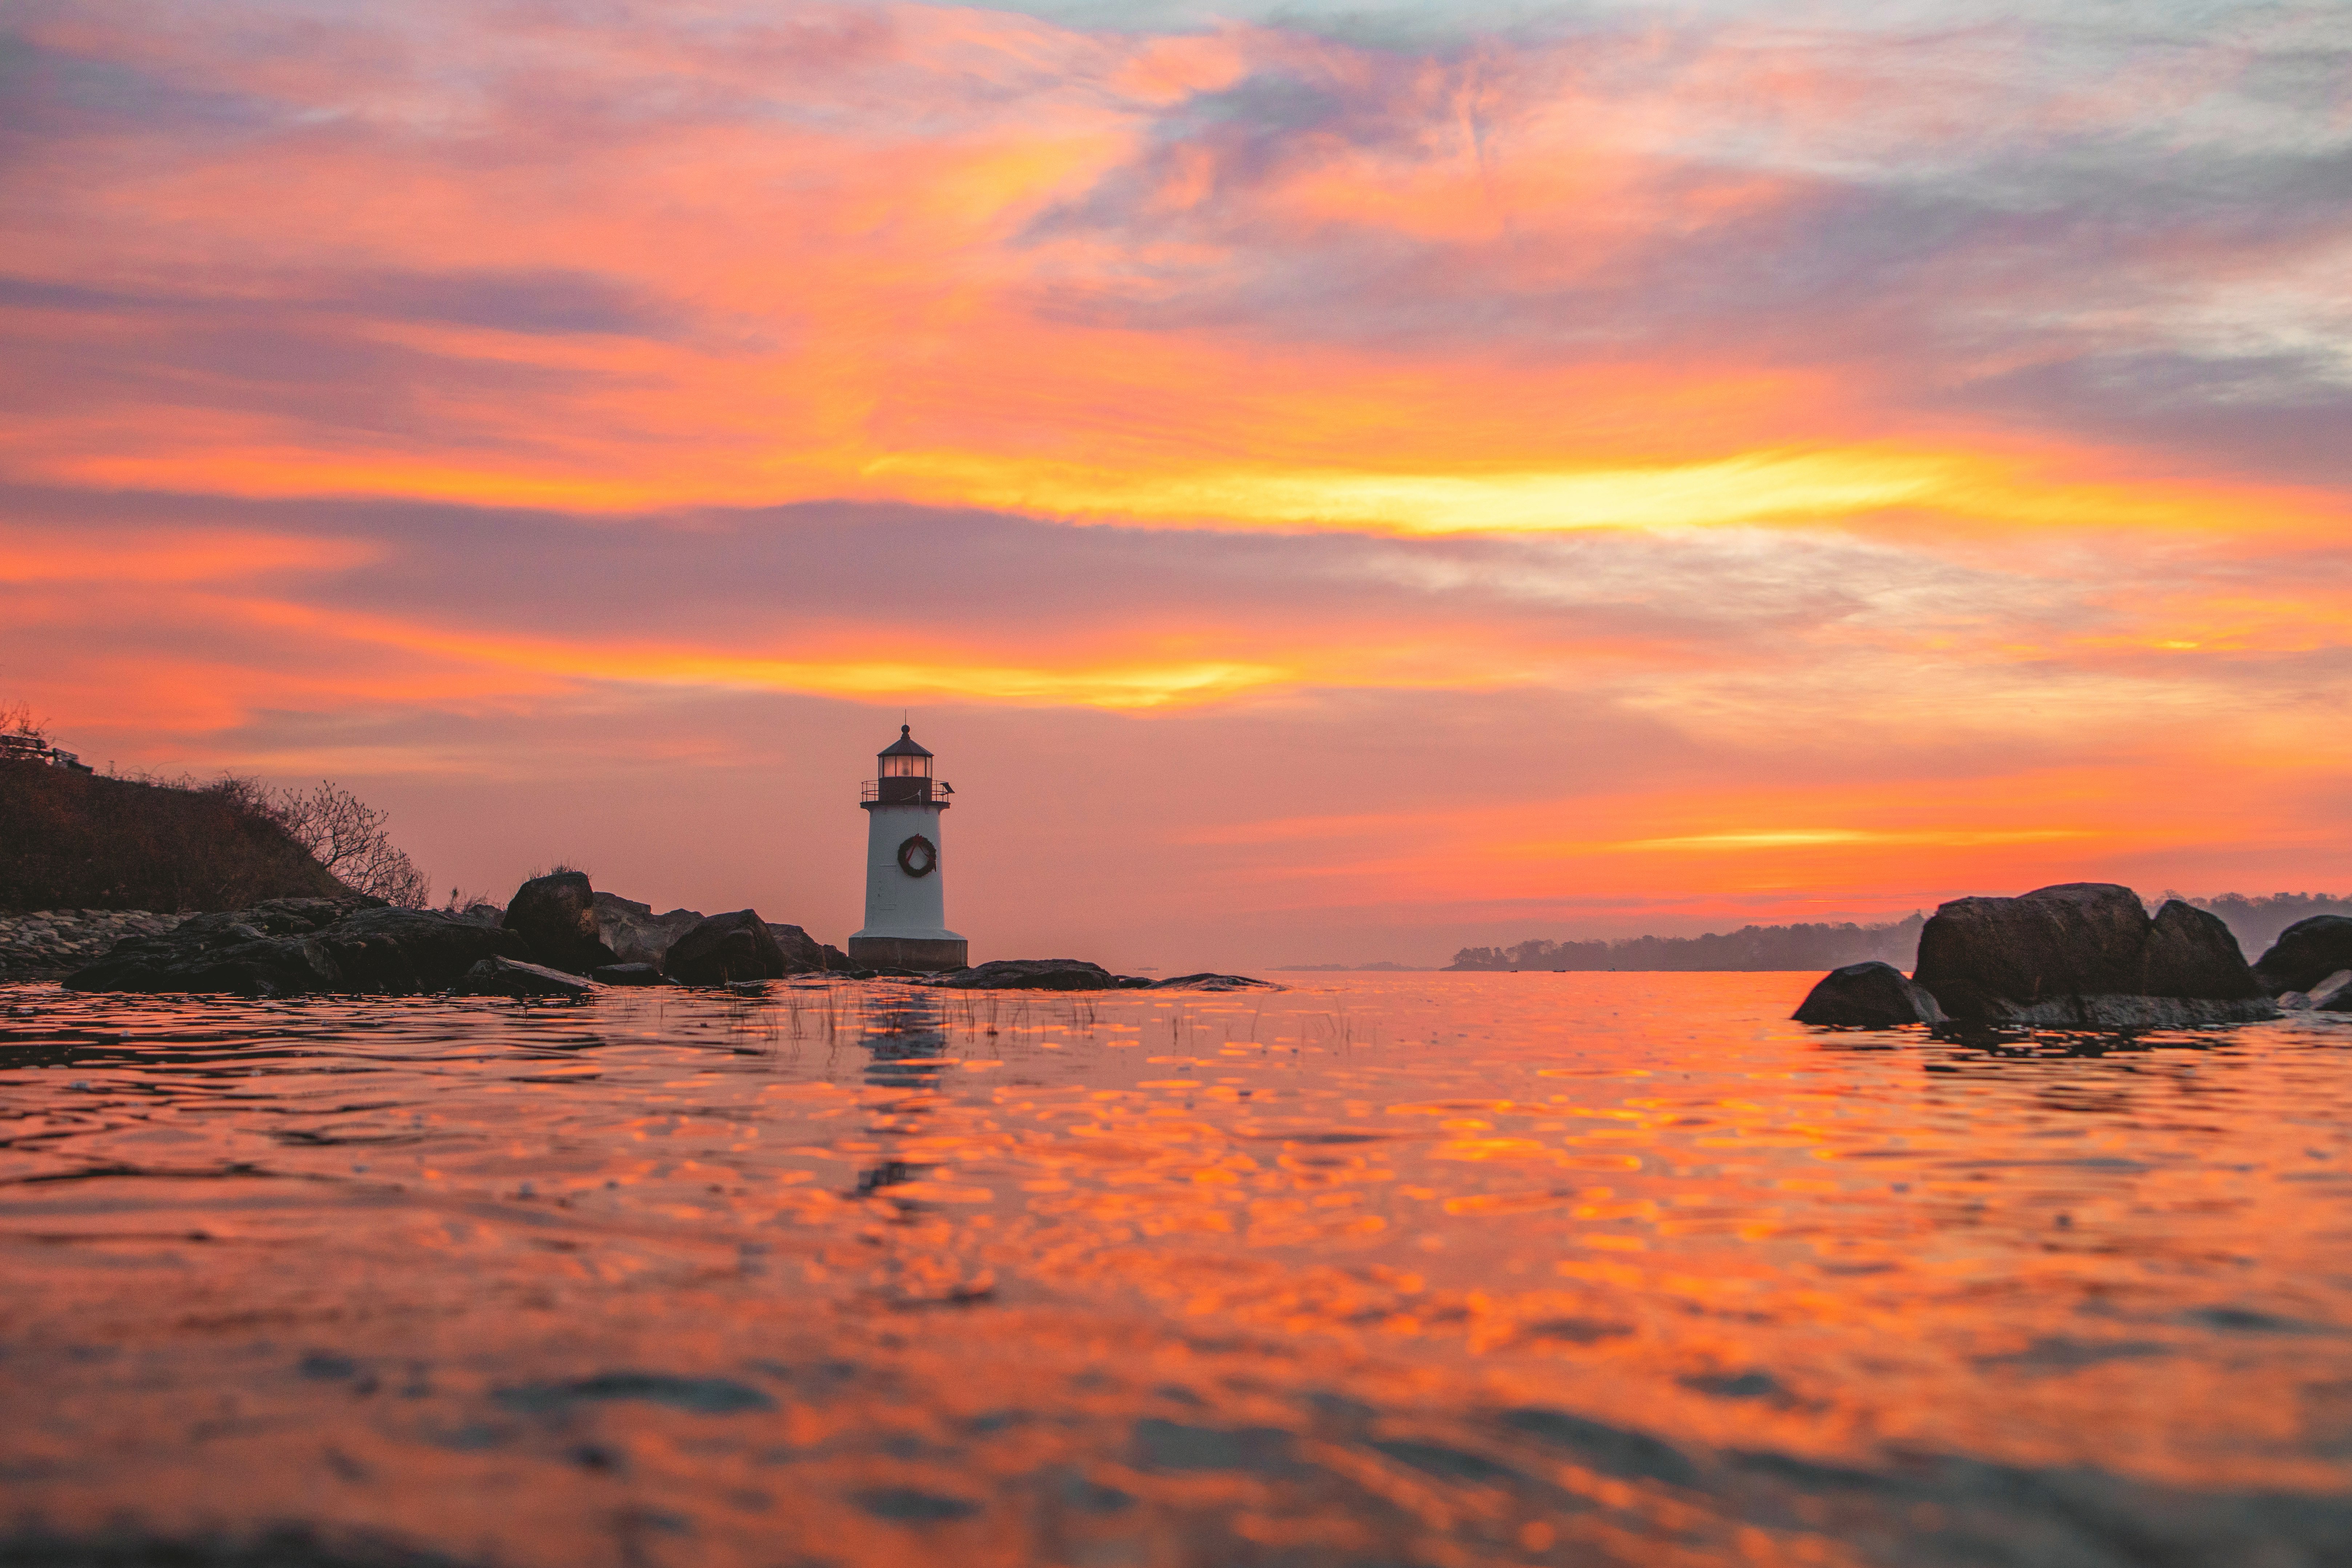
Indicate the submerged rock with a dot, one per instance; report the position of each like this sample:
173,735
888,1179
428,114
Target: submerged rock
2085,954
512,977
1034,974
1205,981
2306,953
629,974
1076,975
556,914
721,948
1869,995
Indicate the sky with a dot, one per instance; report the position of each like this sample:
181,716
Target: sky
1333,483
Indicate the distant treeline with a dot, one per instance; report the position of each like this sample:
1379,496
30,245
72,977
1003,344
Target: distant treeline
2256,921
1750,947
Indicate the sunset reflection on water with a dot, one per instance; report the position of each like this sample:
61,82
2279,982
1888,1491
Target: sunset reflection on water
1413,1268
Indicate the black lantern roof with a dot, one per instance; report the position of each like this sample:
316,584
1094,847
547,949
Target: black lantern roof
904,746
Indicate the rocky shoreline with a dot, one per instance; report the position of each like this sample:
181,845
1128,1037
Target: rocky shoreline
558,937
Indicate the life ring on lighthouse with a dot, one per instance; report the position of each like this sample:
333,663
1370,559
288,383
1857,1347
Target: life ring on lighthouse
918,857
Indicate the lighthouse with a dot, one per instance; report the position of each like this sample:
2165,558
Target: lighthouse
906,908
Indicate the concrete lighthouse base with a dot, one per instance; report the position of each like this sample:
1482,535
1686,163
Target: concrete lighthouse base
908,952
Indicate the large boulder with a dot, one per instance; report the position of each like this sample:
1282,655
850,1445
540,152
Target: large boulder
2194,955
2305,954
556,914
1869,995
1037,975
2085,954
288,947
721,948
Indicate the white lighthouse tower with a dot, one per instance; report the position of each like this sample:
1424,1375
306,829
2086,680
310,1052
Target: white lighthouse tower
906,908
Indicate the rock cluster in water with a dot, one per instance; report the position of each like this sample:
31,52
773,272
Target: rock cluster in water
2088,955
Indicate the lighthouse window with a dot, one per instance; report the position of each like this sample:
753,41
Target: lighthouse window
906,767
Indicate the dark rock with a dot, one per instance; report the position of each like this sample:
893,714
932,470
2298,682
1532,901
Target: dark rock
1869,995
401,951
636,934
629,974
2305,954
2076,939
804,952
512,977
721,948
2085,954
556,914
2194,955
1033,975
1206,981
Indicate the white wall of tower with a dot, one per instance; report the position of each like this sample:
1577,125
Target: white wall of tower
898,905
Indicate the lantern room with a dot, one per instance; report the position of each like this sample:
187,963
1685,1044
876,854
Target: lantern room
903,775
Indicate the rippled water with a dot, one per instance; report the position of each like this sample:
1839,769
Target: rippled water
1442,1269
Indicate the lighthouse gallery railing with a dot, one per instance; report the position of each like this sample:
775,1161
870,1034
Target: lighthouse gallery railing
905,792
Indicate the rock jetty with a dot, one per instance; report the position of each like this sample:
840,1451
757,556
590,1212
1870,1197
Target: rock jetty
2082,955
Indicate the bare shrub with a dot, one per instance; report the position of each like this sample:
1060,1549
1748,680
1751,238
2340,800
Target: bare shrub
350,839
17,719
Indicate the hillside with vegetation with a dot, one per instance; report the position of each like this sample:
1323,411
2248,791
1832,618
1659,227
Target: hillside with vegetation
77,839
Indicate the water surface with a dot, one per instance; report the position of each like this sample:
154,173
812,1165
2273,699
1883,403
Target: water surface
1442,1269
